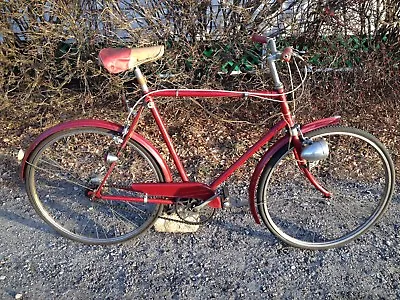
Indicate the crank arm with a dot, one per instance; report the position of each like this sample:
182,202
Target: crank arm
205,203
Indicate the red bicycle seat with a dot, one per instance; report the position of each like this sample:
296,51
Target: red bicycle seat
117,60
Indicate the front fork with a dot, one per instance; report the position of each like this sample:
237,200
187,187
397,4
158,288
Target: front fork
296,135
298,141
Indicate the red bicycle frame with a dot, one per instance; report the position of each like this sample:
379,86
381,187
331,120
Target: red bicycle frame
169,191
166,193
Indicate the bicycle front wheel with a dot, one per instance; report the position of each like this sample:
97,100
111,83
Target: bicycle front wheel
66,166
358,172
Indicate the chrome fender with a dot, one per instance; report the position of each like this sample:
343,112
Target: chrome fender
102,124
272,150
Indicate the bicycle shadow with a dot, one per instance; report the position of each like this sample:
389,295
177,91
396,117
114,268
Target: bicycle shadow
251,230
26,221
9,170
10,180
396,193
264,233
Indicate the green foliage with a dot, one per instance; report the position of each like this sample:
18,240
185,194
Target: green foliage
48,49
347,51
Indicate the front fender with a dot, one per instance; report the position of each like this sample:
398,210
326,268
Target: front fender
271,151
101,124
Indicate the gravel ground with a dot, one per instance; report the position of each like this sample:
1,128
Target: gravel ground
229,258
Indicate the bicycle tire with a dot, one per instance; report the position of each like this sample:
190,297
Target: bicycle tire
66,165
358,171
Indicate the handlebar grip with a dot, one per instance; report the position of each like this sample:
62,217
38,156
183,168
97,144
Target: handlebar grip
287,54
259,38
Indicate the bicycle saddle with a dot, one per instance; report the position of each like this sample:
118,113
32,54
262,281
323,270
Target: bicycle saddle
117,60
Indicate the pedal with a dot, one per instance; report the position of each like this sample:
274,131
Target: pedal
225,198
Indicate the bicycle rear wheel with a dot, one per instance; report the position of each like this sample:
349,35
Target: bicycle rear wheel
67,165
359,173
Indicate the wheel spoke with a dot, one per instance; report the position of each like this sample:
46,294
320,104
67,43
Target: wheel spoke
36,167
68,164
122,218
359,173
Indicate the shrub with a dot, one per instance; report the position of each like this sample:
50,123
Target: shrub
48,53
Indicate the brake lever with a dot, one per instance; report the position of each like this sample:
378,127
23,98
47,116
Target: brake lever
299,52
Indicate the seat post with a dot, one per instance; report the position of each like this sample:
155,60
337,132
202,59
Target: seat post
141,80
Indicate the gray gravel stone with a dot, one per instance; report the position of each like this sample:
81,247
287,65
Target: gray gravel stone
229,258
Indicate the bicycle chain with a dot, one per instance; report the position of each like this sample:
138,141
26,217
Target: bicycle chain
161,217
183,221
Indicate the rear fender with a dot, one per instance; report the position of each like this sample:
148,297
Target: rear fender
101,124
271,151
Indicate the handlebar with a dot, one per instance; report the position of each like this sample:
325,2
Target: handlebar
286,54
260,39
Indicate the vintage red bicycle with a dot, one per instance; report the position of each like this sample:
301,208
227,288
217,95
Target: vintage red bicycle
318,186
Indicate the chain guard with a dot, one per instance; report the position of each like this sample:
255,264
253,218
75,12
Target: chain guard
185,209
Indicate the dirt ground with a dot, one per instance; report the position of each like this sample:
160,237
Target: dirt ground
229,258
